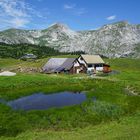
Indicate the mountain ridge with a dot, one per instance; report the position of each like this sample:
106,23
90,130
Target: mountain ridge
119,39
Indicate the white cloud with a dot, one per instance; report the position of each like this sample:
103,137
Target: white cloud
69,6
111,17
19,22
75,10
13,8
80,11
17,13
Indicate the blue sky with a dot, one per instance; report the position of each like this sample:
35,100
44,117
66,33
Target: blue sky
77,14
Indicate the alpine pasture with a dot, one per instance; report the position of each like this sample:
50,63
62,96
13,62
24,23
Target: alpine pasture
113,115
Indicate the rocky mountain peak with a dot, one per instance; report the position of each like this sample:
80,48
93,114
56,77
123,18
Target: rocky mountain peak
58,26
120,39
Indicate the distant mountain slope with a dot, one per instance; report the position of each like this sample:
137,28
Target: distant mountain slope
119,39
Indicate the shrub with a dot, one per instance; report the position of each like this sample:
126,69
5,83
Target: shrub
104,110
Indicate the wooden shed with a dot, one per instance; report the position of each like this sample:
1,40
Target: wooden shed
64,65
106,68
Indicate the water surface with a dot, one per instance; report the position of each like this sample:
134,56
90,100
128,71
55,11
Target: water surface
40,101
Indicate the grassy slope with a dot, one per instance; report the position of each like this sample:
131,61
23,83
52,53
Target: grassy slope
13,63
126,129
111,92
129,72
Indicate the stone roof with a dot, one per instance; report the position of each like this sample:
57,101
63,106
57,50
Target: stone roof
93,59
58,64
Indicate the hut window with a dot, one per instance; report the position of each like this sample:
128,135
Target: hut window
89,65
98,65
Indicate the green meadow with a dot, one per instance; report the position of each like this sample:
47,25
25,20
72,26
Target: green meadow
114,115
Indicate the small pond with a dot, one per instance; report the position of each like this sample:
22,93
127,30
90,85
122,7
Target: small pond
40,101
